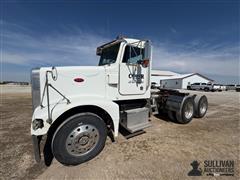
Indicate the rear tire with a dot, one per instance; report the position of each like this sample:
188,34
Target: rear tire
172,115
185,114
200,106
80,138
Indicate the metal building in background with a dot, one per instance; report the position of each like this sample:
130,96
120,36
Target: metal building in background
181,81
158,75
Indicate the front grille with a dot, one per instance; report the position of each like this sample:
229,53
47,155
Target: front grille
35,81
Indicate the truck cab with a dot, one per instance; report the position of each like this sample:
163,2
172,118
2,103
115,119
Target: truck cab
98,97
76,107
127,64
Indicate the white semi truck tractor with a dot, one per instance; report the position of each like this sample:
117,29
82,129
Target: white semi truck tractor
76,107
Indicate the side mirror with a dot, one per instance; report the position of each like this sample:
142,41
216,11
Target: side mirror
147,55
147,52
54,73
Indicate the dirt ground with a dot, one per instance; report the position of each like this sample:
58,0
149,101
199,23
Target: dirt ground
165,151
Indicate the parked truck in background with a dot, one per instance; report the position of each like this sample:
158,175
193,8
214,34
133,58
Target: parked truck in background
234,87
205,87
77,106
238,88
199,86
230,87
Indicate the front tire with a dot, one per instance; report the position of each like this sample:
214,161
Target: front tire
80,138
172,115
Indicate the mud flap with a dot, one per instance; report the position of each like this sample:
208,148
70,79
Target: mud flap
36,147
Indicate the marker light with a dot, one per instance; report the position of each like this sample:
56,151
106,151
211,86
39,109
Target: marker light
145,62
79,80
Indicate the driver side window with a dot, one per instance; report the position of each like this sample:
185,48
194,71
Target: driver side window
133,54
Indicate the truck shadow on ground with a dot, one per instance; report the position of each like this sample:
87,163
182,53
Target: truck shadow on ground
165,117
47,149
127,135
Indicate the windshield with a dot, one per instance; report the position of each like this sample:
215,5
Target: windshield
109,55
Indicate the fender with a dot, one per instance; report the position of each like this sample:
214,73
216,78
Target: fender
58,108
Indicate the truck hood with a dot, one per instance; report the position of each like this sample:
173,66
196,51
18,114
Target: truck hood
74,81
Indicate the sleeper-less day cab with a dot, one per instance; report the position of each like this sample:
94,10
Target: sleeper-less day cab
76,107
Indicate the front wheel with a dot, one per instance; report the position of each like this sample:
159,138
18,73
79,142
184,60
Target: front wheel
79,139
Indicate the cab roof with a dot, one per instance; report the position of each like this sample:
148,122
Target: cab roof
134,42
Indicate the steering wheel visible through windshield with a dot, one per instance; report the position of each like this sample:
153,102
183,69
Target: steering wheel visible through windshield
109,55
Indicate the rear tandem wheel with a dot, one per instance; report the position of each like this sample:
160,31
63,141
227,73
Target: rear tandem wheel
200,106
186,112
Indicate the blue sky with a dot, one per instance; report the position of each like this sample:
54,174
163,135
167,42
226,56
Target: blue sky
199,36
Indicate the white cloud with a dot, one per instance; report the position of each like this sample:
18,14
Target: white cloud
77,49
207,59
21,47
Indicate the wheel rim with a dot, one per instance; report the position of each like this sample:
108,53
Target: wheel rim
202,106
188,110
82,140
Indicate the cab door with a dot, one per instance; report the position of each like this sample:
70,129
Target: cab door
134,70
